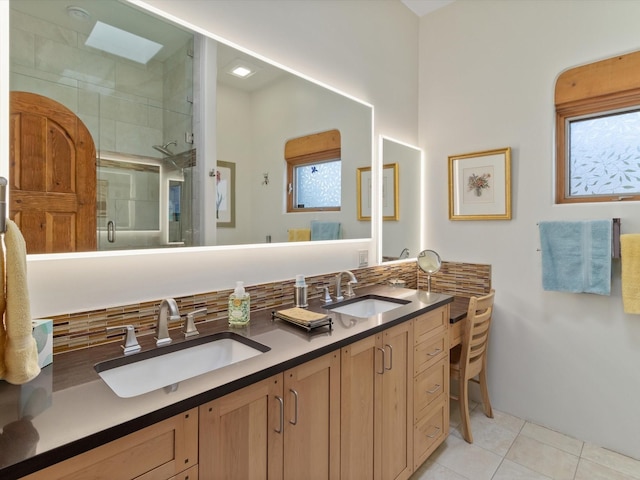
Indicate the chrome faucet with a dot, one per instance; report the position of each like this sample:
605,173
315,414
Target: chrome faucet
352,280
168,311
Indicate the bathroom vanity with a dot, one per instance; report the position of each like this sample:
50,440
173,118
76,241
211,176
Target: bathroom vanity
260,416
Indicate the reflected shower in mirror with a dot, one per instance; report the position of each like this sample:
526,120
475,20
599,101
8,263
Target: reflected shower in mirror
401,238
151,109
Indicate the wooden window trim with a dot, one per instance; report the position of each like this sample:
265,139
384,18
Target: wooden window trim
604,86
310,149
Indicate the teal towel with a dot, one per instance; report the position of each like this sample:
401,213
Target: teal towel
325,230
576,256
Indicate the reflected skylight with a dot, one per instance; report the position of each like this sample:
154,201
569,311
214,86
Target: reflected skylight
121,43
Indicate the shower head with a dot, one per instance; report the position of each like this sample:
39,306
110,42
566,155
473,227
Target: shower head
163,148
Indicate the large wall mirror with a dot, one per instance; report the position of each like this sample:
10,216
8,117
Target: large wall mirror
401,234
149,111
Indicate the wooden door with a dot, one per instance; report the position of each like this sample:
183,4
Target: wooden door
241,434
52,176
312,419
397,403
361,375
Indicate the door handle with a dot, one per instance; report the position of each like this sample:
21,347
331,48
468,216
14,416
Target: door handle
390,357
111,231
281,424
295,411
383,359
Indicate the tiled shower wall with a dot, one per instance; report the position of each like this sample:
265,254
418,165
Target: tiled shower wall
86,329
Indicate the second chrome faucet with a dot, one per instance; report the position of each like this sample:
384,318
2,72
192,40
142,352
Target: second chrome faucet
168,312
352,280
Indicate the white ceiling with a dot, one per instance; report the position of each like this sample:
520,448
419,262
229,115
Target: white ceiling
422,7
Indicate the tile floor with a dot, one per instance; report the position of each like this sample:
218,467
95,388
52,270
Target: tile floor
509,448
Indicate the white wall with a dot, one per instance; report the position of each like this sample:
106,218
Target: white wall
317,38
253,130
487,74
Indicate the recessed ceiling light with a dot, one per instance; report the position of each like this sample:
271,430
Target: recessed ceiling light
122,43
78,13
241,69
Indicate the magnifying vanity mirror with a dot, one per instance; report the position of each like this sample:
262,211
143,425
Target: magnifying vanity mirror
429,262
401,235
190,158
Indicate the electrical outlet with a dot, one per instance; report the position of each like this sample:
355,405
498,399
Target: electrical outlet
363,258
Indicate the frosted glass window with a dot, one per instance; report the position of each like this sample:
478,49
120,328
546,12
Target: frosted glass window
318,185
604,155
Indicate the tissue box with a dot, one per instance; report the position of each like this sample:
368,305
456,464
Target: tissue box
43,333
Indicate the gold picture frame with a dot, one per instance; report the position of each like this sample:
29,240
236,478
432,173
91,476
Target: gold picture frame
480,185
390,192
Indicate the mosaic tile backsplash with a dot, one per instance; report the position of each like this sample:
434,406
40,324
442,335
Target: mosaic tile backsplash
86,329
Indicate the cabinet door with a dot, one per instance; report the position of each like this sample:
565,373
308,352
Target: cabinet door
241,433
312,419
361,375
156,452
396,397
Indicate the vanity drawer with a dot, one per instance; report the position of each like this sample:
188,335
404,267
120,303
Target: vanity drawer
429,387
429,323
429,353
430,432
455,333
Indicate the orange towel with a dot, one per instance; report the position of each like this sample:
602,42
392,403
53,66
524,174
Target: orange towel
630,260
299,234
21,351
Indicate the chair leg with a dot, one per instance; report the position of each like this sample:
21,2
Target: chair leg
463,387
484,391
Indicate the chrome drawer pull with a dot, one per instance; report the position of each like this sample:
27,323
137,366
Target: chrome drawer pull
435,352
434,389
295,417
281,426
383,360
435,434
390,357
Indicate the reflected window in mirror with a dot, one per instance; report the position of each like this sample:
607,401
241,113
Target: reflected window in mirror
314,169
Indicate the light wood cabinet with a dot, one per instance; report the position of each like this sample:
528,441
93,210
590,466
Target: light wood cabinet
159,452
312,419
241,433
377,406
376,409
430,383
285,427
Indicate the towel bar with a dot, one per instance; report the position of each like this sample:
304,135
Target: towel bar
615,238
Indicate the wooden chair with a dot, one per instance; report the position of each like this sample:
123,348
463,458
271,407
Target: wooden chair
470,359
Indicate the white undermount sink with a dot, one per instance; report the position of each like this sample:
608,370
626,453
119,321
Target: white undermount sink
367,306
166,366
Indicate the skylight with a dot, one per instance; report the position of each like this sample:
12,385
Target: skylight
121,43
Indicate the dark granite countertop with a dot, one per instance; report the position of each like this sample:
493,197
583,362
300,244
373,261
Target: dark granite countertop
68,409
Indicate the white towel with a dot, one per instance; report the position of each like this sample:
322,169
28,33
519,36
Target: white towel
21,351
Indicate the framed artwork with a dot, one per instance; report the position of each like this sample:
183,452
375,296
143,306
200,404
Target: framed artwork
480,185
226,194
390,193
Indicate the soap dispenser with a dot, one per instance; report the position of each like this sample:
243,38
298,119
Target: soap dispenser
300,292
239,306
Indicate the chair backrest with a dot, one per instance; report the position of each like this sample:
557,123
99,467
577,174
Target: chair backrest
476,335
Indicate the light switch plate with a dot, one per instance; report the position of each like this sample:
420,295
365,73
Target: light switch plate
363,258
